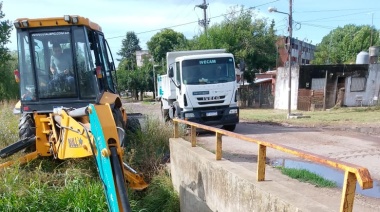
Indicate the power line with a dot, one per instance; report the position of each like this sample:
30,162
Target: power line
334,17
337,10
192,22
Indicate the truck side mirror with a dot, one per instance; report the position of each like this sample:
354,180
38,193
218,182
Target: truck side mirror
171,72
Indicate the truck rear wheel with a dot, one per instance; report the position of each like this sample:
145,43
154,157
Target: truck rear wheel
230,127
27,129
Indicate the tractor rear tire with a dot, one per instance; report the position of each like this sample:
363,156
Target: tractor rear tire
27,129
133,125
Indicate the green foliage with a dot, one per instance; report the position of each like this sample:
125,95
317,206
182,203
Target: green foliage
9,89
8,128
8,62
140,79
130,45
147,150
62,187
160,196
165,41
342,44
47,184
305,175
249,38
5,32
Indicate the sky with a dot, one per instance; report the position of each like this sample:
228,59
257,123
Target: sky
312,19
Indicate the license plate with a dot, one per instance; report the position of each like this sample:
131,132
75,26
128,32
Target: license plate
211,113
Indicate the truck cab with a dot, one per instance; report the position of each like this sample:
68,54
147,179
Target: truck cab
205,89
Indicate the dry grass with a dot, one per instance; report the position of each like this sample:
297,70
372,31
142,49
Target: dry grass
359,116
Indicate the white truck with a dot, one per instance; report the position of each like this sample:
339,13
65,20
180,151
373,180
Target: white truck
200,86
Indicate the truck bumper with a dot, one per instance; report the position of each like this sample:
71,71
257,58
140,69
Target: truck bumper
222,116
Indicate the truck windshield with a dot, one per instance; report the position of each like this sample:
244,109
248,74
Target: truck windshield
208,71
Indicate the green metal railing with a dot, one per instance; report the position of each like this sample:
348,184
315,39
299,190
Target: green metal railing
353,173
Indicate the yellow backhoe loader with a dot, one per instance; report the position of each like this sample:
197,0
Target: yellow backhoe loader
69,105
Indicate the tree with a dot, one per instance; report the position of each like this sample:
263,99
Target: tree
342,44
9,89
165,41
129,46
5,32
8,62
249,38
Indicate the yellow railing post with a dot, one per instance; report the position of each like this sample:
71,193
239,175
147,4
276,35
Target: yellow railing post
348,193
261,157
176,129
193,138
218,148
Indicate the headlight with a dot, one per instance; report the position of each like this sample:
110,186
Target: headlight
189,115
233,111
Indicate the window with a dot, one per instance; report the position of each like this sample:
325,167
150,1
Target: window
85,65
208,71
27,80
358,84
177,73
318,83
53,64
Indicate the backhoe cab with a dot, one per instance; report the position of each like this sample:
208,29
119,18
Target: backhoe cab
74,77
69,103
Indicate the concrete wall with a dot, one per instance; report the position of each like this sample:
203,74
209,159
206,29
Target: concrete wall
282,85
205,184
372,88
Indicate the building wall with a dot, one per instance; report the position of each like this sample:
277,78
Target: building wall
302,52
140,55
282,85
372,88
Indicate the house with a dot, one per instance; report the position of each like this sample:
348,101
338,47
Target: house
326,86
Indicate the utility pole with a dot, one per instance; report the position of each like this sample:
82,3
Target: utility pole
273,9
204,23
290,59
371,30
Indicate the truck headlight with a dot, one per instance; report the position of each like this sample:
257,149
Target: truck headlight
233,111
189,115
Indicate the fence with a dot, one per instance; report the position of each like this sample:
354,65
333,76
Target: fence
256,95
353,173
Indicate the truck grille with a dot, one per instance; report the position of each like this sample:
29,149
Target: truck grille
207,100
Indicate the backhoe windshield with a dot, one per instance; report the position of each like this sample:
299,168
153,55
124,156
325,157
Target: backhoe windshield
47,66
208,71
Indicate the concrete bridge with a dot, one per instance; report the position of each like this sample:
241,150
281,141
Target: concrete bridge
207,182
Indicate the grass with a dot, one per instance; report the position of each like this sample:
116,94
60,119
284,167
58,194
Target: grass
47,184
358,116
305,175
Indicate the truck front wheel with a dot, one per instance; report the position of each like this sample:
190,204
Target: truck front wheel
230,127
165,114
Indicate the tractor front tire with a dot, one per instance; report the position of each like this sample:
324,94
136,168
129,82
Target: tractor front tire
27,129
